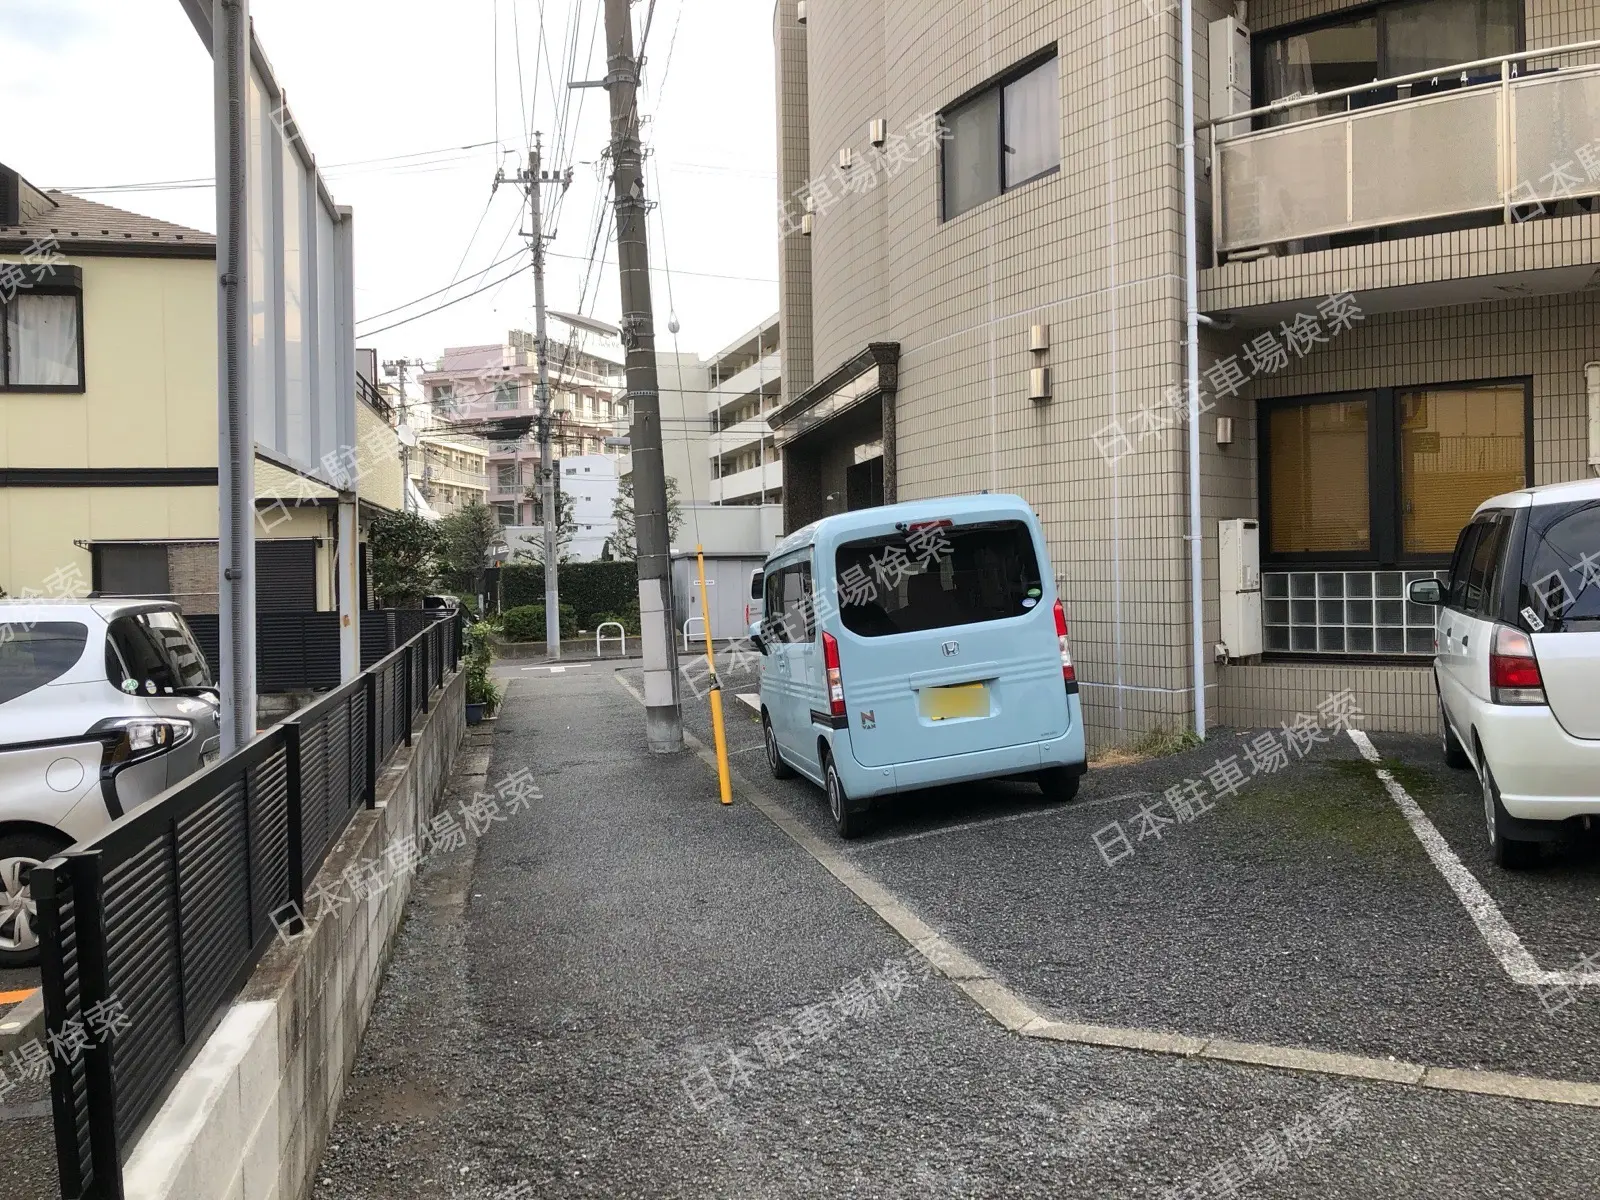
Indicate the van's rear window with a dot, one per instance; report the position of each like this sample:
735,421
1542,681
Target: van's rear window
33,654
1561,568
934,576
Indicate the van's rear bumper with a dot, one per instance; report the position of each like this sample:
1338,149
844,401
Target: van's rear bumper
863,783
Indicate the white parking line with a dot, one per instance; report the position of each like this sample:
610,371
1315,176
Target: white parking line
751,700
1485,913
557,670
1055,810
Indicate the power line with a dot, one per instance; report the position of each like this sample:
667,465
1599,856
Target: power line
467,296
430,295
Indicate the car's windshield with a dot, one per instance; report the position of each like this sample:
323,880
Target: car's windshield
934,575
33,653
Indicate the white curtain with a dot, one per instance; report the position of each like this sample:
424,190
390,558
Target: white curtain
42,332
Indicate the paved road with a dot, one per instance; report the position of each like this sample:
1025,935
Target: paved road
631,991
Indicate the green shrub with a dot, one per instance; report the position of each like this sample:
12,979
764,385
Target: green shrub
526,623
588,588
629,621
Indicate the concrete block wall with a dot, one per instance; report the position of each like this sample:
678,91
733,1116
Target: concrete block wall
249,1118
1395,699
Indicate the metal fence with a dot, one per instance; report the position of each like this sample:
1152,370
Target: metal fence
151,929
299,652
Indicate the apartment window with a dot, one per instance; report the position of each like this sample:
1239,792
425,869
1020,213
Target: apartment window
41,333
1380,42
506,476
506,514
444,393
1005,136
505,395
1388,477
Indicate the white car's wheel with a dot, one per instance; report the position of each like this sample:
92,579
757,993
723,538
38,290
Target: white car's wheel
1510,853
19,912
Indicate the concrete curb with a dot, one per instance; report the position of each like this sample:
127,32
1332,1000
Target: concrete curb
23,1023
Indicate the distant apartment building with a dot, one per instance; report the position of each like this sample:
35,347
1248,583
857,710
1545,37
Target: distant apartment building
470,386
983,264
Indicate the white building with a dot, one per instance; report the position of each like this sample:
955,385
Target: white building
591,480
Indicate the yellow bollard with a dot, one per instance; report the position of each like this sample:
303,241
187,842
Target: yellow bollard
723,781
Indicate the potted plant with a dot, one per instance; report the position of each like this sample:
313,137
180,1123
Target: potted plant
483,694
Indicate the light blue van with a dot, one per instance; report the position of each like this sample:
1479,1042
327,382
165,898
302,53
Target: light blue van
914,645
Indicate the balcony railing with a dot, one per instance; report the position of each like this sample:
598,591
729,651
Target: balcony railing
1502,138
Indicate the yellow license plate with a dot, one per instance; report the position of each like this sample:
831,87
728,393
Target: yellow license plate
961,700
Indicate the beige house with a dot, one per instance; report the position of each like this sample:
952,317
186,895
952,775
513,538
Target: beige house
108,418
983,269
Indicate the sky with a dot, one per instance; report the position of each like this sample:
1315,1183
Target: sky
410,107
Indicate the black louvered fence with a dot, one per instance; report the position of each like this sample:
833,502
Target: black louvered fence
299,651
151,929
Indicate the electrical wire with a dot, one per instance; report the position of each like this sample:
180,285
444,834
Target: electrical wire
467,296
436,292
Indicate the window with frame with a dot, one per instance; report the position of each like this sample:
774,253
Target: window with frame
41,329
1006,135
1388,477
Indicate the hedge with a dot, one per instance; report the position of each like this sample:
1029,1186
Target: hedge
525,623
588,588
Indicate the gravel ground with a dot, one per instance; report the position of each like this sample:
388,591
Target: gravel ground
557,985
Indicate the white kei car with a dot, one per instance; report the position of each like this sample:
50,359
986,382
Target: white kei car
1518,662
104,704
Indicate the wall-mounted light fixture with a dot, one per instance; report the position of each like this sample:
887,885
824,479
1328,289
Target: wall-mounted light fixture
1224,431
807,222
800,12
1039,383
878,131
847,158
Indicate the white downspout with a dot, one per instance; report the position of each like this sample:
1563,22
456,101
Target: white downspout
1191,289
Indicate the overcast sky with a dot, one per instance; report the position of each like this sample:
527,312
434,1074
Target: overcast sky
119,92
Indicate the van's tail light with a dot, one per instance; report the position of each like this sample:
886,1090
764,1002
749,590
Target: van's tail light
1513,670
1067,673
747,616
830,660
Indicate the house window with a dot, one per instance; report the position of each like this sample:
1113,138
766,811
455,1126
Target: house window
41,329
1388,477
1378,43
1007,135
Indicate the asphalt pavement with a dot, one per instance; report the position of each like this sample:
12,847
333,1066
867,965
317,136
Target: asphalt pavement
630,990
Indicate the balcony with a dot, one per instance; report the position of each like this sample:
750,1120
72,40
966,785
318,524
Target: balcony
746,485
736,437
1497,139
748,380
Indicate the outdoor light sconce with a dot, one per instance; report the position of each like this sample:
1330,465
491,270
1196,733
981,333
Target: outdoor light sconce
847,158
806,223
1039,383
800,12
878,131
1224,431
1038,374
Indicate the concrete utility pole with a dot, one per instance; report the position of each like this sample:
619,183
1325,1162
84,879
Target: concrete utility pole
534,180
663,720
398,368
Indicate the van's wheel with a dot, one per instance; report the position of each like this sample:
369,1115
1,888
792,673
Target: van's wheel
1058,784
1454,754
19,912
1512,854
775,763
849,824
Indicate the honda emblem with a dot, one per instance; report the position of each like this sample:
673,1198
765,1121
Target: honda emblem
951,649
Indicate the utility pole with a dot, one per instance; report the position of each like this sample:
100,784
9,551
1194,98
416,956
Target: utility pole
534,179
398,368
663,720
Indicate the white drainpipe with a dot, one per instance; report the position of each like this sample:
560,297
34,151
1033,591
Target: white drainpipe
1191,287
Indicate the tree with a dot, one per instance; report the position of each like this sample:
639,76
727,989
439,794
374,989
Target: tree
403,553
468,534
626,539
566,527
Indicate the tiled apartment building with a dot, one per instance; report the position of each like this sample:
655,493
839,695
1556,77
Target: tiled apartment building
477,388
1398,289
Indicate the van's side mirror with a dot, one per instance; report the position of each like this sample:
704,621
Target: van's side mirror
1426,591
756,640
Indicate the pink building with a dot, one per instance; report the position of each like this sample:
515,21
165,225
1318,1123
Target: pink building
587,402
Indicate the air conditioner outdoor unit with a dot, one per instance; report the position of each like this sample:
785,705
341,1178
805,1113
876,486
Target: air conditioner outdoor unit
1239,583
